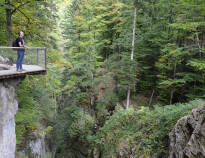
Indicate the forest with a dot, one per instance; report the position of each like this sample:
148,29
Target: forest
120,73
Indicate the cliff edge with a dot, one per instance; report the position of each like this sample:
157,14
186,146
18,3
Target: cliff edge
8,109
187,139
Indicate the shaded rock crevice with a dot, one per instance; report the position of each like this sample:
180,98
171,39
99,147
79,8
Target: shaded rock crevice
187,139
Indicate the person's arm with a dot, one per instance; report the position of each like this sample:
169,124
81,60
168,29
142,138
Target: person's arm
21,45
20,42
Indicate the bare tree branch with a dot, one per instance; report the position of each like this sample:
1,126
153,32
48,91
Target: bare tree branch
21,5
25,16
18,9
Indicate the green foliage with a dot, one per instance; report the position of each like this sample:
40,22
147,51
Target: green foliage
140,132
81,125
89,71
26,117
168,60
31,17
197,64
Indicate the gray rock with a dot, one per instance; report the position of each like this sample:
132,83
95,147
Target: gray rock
187,139
4,67
8,109
36,147
5,61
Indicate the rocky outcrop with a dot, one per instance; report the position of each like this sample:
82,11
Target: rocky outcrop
8,109
187,139
5,63
36,147
33,145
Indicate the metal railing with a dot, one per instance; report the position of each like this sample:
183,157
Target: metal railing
33,55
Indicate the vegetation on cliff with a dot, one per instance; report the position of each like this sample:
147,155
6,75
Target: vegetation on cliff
81,103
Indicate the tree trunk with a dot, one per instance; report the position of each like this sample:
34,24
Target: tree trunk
171,96
132,52
197,37
128,98
172,90
150,101
9,12
133,33
9,24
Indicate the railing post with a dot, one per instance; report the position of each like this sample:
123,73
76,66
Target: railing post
32,57
37,57
45,60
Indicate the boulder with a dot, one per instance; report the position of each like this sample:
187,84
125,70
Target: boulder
5,63
187,139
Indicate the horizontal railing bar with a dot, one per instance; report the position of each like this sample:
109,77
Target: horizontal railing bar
34,60
22,47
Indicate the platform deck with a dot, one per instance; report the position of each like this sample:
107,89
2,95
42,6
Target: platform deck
29,70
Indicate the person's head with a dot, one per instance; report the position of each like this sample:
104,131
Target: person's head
21,34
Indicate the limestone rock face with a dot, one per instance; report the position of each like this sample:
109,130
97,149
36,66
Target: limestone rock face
187,139
8,109
35,148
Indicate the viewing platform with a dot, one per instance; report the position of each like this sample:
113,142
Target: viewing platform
34,62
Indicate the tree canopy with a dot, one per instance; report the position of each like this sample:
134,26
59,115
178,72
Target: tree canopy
98,52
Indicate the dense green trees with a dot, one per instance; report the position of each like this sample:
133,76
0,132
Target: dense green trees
37,95
94,65
168,63
169,44
28,15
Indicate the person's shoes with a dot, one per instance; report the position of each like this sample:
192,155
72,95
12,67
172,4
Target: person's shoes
18,71
21,70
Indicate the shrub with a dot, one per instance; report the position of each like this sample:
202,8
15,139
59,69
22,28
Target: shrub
140,132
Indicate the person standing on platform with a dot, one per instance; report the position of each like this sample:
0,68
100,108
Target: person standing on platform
20,52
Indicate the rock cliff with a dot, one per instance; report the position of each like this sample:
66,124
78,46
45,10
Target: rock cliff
8,109
187,139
